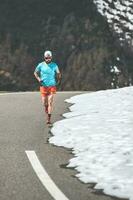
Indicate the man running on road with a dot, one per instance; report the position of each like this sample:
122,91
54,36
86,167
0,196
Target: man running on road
46,73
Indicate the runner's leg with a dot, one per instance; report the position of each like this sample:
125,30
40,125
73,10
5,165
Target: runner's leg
50,106
50,103
45,103
44,93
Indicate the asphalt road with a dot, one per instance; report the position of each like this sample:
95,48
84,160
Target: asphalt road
23,128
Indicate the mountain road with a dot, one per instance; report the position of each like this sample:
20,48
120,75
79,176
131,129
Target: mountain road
30,167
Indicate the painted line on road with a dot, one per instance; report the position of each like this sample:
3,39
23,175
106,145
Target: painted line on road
47,182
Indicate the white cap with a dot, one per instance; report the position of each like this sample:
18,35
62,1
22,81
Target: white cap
47,54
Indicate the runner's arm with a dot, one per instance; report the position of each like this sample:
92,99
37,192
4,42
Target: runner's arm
58,76
36,74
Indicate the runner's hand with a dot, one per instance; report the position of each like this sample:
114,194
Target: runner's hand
41,82
58,82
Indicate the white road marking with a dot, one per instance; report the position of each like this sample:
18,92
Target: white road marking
44,177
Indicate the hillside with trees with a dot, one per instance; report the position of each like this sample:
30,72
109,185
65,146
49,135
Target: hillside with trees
83,45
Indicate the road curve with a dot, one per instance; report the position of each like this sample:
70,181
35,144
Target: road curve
22,130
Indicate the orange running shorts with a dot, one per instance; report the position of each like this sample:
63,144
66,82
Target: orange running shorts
47,90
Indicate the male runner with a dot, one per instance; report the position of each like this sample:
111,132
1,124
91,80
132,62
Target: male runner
46,73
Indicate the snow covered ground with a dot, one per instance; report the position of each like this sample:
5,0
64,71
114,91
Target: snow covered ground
99,129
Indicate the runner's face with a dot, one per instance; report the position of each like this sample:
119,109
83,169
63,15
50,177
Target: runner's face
48,59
